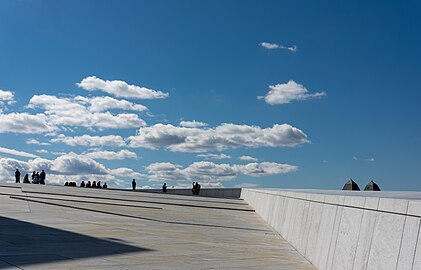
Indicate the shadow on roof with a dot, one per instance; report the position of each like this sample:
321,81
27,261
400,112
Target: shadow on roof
23,243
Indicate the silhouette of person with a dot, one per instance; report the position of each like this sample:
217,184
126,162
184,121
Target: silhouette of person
105,185
37,178
164,188
82,184
98,185
88,184
66,184
197,188
93,184
26,179
134,184
17,176
33,177
193,190
42,177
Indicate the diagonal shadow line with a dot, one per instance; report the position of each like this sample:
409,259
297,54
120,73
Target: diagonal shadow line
26,243
142,201
102,203
138,217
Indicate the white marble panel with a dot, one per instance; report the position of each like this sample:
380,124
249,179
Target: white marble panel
365,238
325,234
314,227
386,241
334,240
393,205
346,245
416,265
354,201
414,208
409,242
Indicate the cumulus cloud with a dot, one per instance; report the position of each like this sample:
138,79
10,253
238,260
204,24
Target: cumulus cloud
6,96
206,171
25,123
76,112
286,92
192,124
248,158
126,172
42,151
120,88
225,136
88,140
35,142
100,104
17,153
272,46
213,156
111,155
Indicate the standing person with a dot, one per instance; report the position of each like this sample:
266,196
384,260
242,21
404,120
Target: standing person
193,190
134,184
17,176
37,178
164,188
33,177
42,177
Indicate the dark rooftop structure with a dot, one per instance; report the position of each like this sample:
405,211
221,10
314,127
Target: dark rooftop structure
351,185
371,186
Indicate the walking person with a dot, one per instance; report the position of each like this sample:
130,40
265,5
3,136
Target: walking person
17,176
134,184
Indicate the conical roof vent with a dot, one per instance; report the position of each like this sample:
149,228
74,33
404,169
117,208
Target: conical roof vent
351,185
371,186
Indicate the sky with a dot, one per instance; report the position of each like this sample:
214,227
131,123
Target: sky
281,94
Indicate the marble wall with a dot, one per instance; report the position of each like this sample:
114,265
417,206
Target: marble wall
205,192
343,231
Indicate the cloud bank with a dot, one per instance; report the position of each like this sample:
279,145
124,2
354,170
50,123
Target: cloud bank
225,136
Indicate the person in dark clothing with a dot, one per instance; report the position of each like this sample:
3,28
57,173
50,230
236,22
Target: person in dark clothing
193,190
42,177
88,184
66,184
82,184
105,185
26,179
17,176
98,185
134,184
164,188
93,184
33,177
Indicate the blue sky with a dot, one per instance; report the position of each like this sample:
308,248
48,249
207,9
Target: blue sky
339,88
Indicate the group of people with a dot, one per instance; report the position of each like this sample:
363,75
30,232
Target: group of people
36,177
196,188
94,184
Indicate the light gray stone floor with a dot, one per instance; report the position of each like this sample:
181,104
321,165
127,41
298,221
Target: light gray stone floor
47,227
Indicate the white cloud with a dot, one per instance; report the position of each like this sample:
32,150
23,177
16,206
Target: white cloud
192,124
111,155
42,151
354,158
213,156
225,136
100,104
24,123
88,140
75,112
6,96
208,172
248,158
371,159
126,172
287,92
272,46
36,142
17,153
120,88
